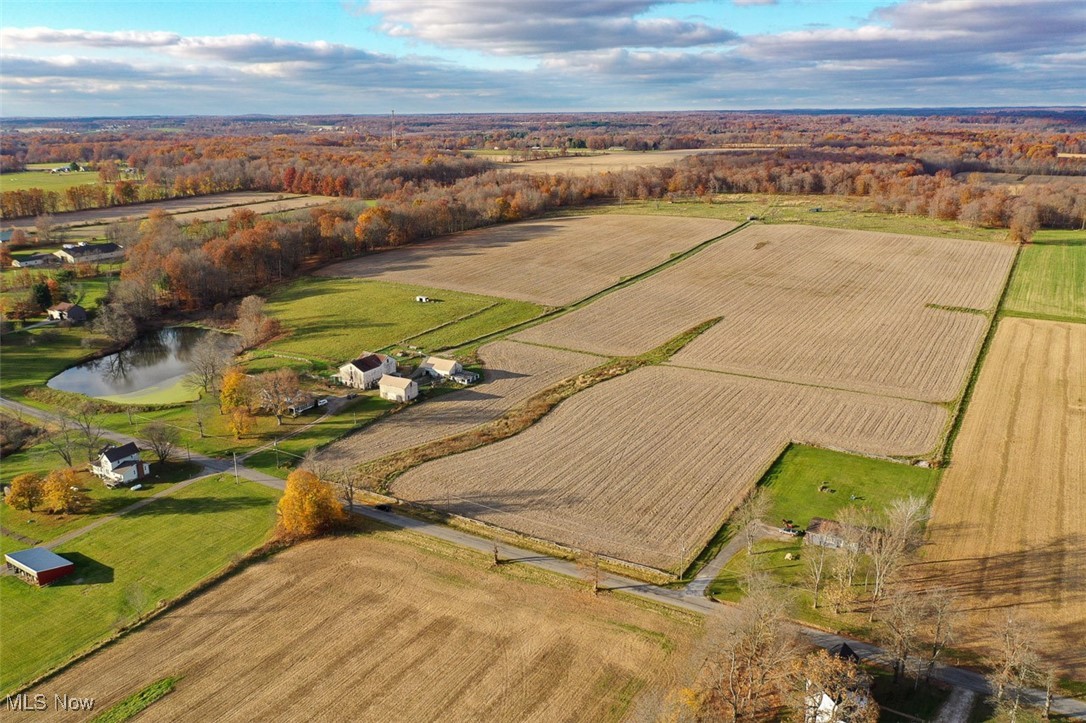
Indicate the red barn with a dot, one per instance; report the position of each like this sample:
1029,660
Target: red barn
38,565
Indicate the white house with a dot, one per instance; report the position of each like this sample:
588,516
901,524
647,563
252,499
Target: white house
366,371
120,465
398,389
34,260
441,368
67,312
83,251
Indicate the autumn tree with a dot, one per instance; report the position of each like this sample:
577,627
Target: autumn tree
902,616
1014,664
241,422
115,323
162,439
893,535
254,326
840,679
208,360
24,492
61,493
236,391
308,506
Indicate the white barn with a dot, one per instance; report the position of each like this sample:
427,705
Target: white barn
366,371
398,389
441,368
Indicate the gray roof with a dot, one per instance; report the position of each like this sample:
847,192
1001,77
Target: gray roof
37,559
88,249
125,450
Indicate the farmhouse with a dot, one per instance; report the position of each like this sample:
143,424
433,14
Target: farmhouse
120,465
68,312
38,565
398,389
440,368
822,706
366,371
89,252
830,533
27,262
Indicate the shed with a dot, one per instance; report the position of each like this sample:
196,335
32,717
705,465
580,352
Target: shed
38,565
398,389
437,367
68,312
831,533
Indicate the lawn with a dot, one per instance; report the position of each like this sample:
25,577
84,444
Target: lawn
31,358
42,527
125,568
335,320
837,212
1050,279
24,180
793,481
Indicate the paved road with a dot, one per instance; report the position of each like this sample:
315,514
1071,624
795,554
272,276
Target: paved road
691,597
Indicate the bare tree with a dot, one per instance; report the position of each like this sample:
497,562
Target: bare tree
114,323
824,675
348,483
748,516
893,535
313,462
44,230
209,359
91,433
276,391
201,410
902,614
754,660
815,559
940,605
1014,664
63,438
162,440
251,320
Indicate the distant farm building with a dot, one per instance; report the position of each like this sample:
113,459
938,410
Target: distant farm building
366,371
120,465
831,533
398,389
32,260
422,299
822,706
85,252
301,404
6,235
68,312
38,565
464,377
440,368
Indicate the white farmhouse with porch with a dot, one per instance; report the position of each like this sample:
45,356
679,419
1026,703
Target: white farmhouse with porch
120,465
398,389
366,371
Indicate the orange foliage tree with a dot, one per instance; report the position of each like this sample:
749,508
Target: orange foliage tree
308,506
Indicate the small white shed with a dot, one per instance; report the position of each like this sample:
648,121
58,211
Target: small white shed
437,367
398,389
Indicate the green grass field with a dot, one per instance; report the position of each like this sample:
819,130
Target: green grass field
127,566
31,358
45,180
337,319
1050,279
837,212
793,481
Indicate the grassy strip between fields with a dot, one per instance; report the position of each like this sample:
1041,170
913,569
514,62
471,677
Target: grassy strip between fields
136,703
127,569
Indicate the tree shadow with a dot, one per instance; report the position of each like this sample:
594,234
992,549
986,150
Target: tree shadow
197,505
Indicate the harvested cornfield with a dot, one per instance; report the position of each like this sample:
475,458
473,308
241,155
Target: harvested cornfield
513,372
872,312
553,262
379,628
652,487
614,161
1007,524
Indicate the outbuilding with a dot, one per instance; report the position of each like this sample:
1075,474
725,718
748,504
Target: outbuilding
83,251
831,533
33,260
441,368
68,312
38,565
398,389
366,371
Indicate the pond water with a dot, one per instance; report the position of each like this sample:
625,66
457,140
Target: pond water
151,370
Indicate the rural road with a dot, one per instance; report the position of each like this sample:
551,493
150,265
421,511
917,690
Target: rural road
691,597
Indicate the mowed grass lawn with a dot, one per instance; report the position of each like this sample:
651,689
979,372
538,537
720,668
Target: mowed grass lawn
24,180
337,319
31,358
793,481
1050,278
125,567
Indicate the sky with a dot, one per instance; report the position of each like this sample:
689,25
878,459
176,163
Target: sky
233,57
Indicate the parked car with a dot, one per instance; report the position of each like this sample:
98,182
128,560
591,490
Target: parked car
322,402
383,507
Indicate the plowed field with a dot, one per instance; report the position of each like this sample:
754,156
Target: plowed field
653,485
373,629
553,262
513,372
873,312
1007,525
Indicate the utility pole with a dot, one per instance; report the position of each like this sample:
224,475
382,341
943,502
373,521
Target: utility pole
275,446
236,480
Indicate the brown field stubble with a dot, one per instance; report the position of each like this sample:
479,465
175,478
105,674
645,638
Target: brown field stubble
553,261
513,372
653,486
846,309
1007,525
617,161
373,628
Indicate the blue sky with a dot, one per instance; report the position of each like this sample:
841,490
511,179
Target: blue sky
369,56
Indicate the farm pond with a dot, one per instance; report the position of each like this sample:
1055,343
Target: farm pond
151,370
